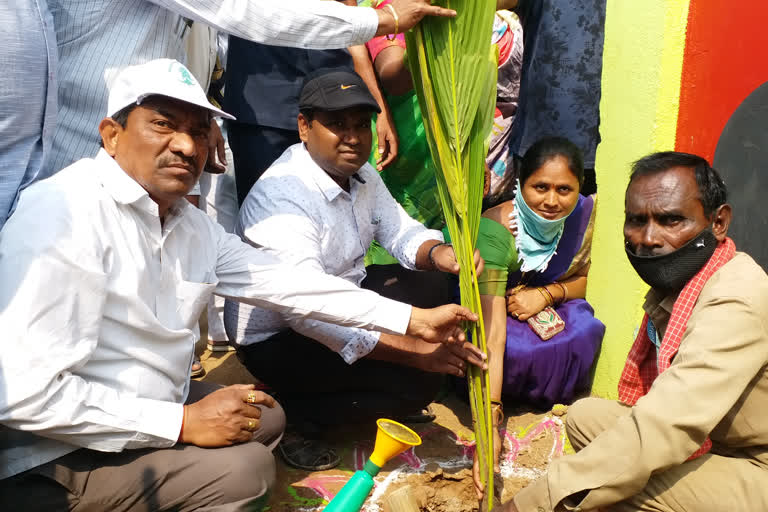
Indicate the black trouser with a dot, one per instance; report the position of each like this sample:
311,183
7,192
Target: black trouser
314,384
254,148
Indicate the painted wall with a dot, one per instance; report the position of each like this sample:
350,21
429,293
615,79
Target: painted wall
721,68
642,63
724,109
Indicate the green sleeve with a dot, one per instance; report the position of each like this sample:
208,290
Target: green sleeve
497,247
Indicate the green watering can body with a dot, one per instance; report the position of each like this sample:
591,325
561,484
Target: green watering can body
352,496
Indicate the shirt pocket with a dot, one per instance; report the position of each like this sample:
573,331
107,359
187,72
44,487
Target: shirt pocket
191,299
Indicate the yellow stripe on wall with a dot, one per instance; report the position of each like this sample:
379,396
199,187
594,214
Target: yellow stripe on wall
642,65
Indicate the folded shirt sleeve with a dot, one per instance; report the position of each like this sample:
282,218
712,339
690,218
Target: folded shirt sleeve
296,23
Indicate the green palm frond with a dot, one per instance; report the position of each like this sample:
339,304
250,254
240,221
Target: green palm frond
454,68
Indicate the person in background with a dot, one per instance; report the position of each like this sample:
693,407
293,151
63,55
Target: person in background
411,179
28,100
689,431
263,85
206,56
86,33
508,37
561,76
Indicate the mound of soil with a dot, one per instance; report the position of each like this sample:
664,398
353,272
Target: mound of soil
436,490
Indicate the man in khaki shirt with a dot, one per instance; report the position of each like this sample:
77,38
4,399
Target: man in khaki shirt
716,387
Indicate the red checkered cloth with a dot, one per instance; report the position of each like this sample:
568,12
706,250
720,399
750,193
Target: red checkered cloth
641,368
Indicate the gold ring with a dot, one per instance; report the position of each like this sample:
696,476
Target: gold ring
251,425
251,397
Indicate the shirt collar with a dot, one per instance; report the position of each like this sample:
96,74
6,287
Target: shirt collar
125,190
330,189
655,299
121,187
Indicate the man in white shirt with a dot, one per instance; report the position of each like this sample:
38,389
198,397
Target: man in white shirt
105,269
319,206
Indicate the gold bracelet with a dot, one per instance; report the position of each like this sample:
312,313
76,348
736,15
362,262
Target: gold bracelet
565,291
397,22
551,297
548,298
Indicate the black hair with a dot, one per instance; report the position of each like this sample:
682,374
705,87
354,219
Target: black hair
712,190
121,118
537,155
308,113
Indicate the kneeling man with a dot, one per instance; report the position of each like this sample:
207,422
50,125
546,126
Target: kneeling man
105,269
690,431
319,206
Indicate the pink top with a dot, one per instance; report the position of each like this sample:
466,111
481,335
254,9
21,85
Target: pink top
377,44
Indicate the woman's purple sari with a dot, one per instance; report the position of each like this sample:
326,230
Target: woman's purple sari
553,371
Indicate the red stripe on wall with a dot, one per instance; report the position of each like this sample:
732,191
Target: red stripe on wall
725,59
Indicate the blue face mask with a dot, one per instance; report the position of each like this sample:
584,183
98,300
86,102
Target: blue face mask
537,237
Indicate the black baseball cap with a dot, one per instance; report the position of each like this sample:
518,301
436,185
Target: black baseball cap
335,89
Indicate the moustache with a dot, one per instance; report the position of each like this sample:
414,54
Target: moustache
167,161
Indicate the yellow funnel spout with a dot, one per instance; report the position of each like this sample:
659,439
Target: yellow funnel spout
392,439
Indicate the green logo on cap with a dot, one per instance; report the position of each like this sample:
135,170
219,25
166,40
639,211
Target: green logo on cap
185,76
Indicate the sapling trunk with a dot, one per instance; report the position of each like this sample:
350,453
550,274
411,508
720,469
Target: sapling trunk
454,70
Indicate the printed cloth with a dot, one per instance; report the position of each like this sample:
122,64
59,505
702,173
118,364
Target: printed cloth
508,36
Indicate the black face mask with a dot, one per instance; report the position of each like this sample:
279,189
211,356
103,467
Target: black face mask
670,272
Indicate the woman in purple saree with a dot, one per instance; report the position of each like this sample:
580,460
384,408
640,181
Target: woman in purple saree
536,238
537,248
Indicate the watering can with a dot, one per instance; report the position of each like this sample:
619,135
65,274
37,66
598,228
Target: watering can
392,439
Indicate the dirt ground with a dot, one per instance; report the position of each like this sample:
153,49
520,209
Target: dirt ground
437,473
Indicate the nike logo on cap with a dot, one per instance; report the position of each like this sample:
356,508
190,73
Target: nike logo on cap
345,87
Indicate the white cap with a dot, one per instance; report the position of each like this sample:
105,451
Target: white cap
166,77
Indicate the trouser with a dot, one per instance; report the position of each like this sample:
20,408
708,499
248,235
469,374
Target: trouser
710,483
180,478
254,149
317,386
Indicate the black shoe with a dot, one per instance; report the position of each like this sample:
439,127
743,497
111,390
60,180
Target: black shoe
306,454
